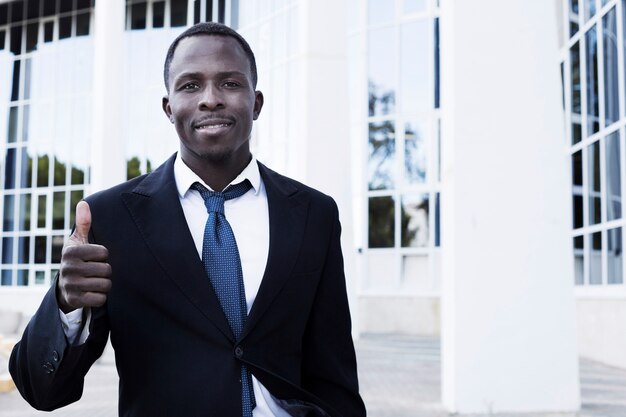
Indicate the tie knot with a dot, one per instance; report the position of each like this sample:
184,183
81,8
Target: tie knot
214,200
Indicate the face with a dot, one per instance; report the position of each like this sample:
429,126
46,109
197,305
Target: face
212,101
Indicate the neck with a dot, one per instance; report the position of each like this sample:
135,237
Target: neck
218,174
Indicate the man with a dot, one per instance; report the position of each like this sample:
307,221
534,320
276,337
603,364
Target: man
217,304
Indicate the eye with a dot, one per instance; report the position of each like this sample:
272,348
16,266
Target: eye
189,86
231,84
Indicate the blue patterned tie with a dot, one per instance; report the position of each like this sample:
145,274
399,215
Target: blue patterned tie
220,257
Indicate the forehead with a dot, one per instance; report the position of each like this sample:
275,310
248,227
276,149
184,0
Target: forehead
209,53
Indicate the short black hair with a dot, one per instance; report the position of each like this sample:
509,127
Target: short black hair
209,28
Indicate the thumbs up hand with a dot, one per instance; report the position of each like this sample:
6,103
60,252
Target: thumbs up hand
85,275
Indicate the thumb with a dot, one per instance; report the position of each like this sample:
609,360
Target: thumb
83,222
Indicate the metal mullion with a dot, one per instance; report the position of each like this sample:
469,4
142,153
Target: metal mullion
582,59
600,66
603,211
227,12
215,14
622,142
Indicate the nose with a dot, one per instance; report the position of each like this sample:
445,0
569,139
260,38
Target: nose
211,98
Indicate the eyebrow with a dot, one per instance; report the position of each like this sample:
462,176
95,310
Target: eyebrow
195,74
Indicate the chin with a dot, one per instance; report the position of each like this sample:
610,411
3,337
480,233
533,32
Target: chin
217,156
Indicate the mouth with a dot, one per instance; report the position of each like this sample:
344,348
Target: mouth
213,125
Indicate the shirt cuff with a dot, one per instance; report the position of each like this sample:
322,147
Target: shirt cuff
74,324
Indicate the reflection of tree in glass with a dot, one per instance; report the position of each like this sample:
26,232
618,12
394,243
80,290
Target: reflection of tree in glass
381,149
381,224
413,156
415,223
383,102
133,167
380,219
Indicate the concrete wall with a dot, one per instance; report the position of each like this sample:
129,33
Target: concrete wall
601,329
399,314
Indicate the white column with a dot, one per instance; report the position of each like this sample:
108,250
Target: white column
508,320
108,165
324,152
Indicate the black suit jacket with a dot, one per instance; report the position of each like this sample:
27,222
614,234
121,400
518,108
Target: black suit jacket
174,351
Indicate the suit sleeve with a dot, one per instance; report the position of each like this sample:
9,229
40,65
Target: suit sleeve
46,369
329,365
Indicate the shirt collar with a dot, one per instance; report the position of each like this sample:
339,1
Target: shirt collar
185,177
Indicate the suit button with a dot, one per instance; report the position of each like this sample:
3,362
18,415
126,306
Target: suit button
48,367
55,356
238,352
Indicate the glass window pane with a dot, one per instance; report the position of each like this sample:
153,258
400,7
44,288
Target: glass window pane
26,177
614,256
43,167
65,27
49,7
593,176
24,214
611,91
48,31
66,6
12,131
16,39
75,197
380,11
10,169
15,90
58,210
595,259
437,221
40,277
579,260
381,214
613,177
382,65
7,277
382,149
589,8
41,247
7,250
33,9
578,211
17,11
22,277
25,122
178,13
158,14
57,247
415,223
83,4
196,11
413,6
3,37
415,152
59,172
415,68
9,213
82,24
4,14
138,16
593,112
32,31
23,250
437,64
573,16
41,211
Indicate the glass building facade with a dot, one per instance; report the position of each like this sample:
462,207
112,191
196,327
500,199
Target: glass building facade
592,65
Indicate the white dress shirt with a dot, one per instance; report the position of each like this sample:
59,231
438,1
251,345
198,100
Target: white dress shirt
248,216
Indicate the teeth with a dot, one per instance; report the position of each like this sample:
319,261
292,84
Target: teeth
217,126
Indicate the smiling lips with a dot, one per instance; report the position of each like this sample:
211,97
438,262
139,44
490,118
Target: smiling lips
213,124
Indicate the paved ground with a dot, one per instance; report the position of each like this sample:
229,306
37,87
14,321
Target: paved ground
399,378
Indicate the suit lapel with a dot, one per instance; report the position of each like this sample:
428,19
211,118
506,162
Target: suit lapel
156,210
287,218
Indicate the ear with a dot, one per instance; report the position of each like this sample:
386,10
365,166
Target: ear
167,109
258,104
